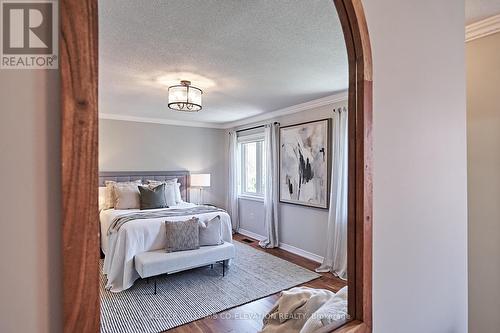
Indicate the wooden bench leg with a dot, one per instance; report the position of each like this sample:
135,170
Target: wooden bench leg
155,286
223,269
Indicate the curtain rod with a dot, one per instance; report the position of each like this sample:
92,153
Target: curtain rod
255,127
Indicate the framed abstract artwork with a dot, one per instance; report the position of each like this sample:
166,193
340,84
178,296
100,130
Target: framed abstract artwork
305,163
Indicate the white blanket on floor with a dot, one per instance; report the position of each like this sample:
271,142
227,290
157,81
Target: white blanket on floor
139,236
305,310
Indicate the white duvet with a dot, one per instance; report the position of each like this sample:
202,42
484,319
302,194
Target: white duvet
139,236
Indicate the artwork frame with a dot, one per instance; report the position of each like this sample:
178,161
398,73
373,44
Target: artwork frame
286,132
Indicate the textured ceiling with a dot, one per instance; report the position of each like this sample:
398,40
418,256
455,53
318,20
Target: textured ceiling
476,10
249,57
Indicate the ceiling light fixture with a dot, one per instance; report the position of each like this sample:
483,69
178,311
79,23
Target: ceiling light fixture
184,97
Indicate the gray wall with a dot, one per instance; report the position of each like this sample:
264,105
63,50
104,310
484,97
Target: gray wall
31,215
300,226
133,146
420,170
483,131
420,217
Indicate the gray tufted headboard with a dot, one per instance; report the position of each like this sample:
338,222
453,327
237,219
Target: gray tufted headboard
123,176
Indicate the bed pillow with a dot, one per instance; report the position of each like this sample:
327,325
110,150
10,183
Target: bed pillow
110,196
169,192
158,182
178,196
172,190
109,201
182,235
127,196
102,198
211,232
151,198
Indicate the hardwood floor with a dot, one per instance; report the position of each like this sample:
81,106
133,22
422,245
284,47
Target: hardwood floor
247,318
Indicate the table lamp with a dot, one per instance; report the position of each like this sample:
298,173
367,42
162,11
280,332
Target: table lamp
200,180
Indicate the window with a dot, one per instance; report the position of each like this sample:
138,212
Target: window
252,165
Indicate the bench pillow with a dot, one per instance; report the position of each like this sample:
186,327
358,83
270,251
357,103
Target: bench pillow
182,235
211,232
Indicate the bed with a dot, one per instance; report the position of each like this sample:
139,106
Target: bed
145,234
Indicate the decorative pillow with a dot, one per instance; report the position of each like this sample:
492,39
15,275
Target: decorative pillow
182,235
151,198
169,192
110,196
211,232
127,196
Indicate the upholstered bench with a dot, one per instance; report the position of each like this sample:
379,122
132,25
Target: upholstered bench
153,263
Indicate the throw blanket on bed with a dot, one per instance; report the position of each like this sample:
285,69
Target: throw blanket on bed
305,310
119,221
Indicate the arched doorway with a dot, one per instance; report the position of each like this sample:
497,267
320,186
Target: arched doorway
79,91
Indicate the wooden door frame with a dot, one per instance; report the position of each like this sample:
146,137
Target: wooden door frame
79,158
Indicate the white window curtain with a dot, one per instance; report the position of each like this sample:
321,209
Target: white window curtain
335,259
271,142
233,182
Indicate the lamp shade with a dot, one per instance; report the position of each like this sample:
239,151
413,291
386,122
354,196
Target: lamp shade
200,180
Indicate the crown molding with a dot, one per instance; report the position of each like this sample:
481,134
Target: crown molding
482,28
335,98
112,116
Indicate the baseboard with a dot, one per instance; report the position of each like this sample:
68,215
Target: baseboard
302,253
251,234
283,246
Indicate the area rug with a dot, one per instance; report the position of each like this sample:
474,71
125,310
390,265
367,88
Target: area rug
194,294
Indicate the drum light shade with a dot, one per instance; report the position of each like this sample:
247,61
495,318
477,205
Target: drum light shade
184,97
200,180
